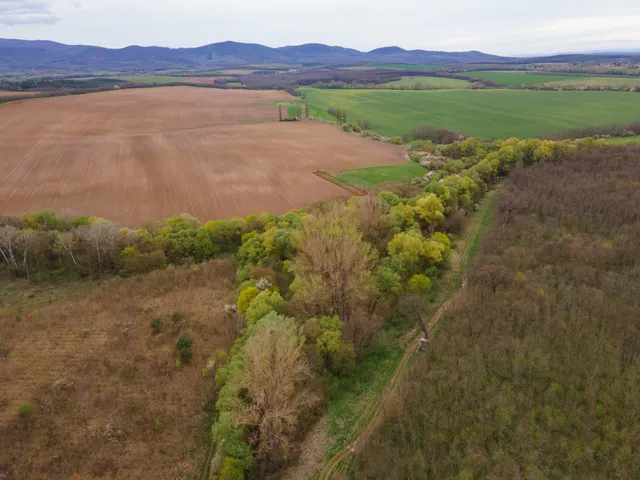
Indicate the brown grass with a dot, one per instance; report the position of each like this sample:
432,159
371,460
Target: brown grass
101,379
139,155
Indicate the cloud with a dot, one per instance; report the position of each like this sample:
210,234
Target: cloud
26,12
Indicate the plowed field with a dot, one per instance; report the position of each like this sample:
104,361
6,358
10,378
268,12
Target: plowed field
139,155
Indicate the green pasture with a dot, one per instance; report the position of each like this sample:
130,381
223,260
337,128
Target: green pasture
515,79
372,176
599,81
492,113
623,140
150,79
235,84
408,66
435,82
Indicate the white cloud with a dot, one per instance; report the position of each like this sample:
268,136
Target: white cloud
26,12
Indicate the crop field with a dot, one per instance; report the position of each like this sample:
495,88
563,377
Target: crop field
635,140
599,81
150,79
372,176
134,156
109,400
17,95
408,66
435,82
494,113
515,79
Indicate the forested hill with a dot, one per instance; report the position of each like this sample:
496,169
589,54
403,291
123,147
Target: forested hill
45,55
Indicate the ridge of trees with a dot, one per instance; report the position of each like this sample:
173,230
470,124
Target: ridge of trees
536,371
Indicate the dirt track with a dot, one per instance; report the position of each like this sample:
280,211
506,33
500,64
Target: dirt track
140,155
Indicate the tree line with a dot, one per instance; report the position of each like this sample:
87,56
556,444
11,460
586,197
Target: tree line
535,373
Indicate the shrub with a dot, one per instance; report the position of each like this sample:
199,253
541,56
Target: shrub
176,317
396,140
183,343
26,410
364,124
186,355
435,134
156,325
158,426
231,469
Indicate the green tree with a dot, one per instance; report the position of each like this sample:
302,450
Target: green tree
430,209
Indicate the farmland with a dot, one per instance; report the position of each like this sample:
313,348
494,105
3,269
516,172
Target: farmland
372,176
140,155
599,81
151,79
515,79
408,66
496,113
434,82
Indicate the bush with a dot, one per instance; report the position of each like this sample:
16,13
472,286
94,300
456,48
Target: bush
364,124
396,140
158,426
183,343
26,410
156,325
436,134
246,297
232,469
186,355
176,317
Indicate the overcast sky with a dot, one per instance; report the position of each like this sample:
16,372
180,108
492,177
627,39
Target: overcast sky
506,27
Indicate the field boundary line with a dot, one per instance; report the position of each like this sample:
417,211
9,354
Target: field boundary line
332,465
354,190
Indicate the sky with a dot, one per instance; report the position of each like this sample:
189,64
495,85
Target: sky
503,27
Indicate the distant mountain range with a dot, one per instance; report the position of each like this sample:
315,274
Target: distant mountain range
52,56
46,56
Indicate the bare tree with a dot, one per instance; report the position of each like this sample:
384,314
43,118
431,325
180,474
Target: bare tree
275,371
25,239
8,236
67,241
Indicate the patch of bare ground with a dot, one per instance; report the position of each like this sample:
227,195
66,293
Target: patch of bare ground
139,155
110,400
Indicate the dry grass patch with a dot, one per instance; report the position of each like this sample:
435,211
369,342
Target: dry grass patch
109,400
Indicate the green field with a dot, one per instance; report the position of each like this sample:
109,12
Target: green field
372,176
515,79
496,113
435,82
235,84
597,82
408,66
151,79
623,140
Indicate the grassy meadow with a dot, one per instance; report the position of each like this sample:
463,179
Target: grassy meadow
623,140
435,82
372,176
150,79
599,81
515,79
495,113
408,66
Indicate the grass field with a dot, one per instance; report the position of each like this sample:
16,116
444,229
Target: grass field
372,176
497,113
598,81
436,82
515,79
408,66
623,140
235,84
151,79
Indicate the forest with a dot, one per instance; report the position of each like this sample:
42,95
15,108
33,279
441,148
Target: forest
535,372
314,285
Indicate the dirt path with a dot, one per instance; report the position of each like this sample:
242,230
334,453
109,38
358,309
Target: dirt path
332,465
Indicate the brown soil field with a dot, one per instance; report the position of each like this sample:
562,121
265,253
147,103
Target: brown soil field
139,155
109,400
